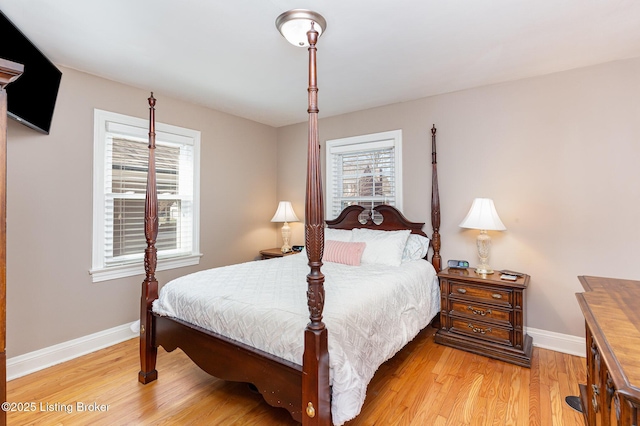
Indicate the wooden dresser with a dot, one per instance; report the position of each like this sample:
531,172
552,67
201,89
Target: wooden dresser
485,315
9,71
611,308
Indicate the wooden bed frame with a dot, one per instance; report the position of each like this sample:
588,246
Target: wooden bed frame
303,390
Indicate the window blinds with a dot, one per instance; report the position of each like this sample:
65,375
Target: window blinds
125,188
366,177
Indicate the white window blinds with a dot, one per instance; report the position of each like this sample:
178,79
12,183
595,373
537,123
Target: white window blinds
120,179
363,170
125,190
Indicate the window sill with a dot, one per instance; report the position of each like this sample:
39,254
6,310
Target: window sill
122,271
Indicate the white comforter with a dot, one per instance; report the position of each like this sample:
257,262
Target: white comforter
371,311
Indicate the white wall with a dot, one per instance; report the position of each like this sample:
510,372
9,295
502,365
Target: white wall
559,155
50,296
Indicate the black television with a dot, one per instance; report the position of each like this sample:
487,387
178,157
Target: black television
31,98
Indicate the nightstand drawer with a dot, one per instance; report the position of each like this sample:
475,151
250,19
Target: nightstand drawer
483,331
476,311
493,295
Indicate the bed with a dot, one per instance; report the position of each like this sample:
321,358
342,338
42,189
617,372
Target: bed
300,374
372,310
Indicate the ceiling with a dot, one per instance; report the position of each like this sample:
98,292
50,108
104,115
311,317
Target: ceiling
228,55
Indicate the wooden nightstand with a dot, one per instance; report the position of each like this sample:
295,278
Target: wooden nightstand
484,315
274,252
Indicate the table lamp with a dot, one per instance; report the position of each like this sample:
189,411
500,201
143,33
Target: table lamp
285,214
483,216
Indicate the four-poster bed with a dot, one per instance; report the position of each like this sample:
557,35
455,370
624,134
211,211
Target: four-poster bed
304,389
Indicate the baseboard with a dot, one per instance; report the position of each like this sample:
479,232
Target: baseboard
37,360
565,343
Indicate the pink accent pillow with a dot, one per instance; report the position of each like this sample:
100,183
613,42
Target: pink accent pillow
343,252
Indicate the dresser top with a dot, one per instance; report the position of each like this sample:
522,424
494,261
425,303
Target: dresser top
611,308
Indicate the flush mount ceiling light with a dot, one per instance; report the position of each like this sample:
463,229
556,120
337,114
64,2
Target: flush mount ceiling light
295,24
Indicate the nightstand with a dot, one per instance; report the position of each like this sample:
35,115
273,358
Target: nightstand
484,315
274,252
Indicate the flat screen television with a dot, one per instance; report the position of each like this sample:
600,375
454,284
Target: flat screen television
31,98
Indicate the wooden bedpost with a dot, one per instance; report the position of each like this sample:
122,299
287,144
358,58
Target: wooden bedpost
148,350
315,362
9,71
436,260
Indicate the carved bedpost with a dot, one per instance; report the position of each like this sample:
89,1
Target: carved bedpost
148,350
9,71
315,362
436,260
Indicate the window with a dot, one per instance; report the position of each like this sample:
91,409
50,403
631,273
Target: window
119,188
364,170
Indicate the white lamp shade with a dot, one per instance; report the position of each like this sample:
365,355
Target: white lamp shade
483,215
285,213
295,24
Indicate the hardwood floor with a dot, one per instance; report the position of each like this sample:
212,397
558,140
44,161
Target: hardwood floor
424,384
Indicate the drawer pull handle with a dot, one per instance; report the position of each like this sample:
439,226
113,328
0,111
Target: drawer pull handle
462,290
496,296
479,330
479,311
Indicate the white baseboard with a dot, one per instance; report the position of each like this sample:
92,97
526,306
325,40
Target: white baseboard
38,360
564,343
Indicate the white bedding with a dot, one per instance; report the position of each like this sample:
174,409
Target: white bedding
371,311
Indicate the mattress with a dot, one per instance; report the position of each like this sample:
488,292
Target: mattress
371,312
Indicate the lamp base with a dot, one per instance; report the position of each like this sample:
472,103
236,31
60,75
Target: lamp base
484,270
286,237
483,243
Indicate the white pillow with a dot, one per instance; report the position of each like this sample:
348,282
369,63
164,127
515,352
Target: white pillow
383,247
416,248
343,235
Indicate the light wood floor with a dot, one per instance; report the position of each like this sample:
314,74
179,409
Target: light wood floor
424,384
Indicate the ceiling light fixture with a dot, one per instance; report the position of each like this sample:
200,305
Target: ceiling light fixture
294,25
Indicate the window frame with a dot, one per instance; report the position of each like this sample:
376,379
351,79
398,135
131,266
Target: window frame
372,141
105,123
